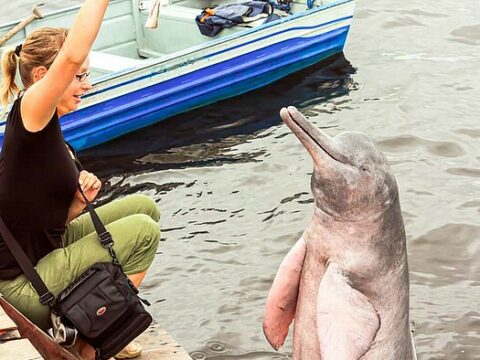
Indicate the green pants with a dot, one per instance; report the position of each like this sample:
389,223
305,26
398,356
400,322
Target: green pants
133,223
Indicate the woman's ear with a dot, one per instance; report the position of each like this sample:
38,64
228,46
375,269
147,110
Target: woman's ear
38,73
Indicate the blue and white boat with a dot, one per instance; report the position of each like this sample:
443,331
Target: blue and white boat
144,75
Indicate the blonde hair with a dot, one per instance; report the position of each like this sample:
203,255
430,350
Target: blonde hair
39,49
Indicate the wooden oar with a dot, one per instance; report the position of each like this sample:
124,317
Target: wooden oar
36,14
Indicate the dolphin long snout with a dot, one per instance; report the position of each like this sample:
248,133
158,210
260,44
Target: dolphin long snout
321,147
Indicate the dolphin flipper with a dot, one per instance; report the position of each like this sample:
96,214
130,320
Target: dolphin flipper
347,322
282,299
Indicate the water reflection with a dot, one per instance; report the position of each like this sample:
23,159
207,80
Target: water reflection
216,350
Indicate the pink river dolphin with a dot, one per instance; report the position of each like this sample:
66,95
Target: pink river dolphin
345,282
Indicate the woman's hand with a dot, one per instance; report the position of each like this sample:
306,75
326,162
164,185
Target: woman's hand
90,186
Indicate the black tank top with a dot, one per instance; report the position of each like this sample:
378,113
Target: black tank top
38,179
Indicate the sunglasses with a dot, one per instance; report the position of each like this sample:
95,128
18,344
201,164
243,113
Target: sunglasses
83,76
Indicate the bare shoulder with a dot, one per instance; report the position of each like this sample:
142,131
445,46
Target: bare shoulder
34,110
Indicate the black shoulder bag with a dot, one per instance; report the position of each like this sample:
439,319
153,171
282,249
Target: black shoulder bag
102,305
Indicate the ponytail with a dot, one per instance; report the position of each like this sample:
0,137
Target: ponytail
40,48
8,88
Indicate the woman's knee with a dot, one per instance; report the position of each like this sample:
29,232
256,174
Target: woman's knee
149,230
146,205
144,246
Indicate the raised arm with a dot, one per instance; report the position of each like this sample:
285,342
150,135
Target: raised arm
41,98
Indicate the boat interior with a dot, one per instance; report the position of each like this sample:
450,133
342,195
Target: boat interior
125,41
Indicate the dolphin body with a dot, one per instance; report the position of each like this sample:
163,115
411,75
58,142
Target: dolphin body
346,280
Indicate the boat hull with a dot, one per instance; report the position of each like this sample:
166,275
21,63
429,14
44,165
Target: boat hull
173,97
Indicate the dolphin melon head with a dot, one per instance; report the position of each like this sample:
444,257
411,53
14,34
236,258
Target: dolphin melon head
351,178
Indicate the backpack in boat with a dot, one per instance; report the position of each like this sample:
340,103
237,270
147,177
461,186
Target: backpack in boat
101,306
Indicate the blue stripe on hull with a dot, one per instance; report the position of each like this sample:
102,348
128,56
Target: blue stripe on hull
102,122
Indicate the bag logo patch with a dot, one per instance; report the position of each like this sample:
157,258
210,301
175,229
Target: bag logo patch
101,311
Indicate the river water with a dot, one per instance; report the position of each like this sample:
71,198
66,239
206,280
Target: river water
232,182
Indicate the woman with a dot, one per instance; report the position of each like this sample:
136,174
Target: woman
40,175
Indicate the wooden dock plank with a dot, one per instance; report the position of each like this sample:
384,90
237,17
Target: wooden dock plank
8,329
6,323
19,350
156,342
9,335
159,345
45,345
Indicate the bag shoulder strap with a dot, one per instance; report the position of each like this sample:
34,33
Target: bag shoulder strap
46,297
104,236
